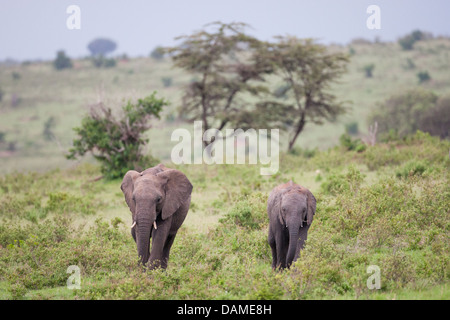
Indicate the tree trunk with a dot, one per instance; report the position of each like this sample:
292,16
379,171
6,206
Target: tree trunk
298,129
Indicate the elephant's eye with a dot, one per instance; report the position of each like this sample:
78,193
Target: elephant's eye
158,199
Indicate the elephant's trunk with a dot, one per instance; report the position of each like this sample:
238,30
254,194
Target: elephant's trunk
143,242
293,243
143,228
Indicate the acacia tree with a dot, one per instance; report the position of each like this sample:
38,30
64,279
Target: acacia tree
227,64
224,64
101,46
307,70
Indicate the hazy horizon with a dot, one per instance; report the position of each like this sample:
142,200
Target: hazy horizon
33,30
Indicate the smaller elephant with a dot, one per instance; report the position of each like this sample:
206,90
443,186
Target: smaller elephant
159,200
291,209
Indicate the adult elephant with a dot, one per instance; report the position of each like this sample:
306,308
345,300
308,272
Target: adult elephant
291,209
159,200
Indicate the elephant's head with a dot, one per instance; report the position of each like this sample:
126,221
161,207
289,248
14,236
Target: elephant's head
155,192
295,207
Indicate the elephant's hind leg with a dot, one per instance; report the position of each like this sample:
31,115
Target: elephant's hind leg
274,250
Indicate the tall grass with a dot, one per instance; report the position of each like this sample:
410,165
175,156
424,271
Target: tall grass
398,222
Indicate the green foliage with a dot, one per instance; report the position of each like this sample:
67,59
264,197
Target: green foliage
368,69
62,61
338,182
403,112
351,128
436,120
34,196
167,81
398,224
423,76
307,69
222,72
101,62
407,42
249,213
101,46
157,53
117,142
351,144
411,168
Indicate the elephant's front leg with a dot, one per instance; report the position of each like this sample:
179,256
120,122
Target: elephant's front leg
159,239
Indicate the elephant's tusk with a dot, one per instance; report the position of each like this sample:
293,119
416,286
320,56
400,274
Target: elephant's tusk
154,225
134,223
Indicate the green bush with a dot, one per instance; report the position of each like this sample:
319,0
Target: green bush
157,53
407,42
338,182
411,168
102,62
403,112
62,61
351,144
423,76
167,81
351,128
368,69
250,212
117,142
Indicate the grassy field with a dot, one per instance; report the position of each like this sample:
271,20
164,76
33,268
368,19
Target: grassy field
386,206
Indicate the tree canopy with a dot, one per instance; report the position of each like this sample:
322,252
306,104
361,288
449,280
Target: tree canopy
230,80
101,46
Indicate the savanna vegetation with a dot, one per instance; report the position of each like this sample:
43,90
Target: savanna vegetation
382,198
393,215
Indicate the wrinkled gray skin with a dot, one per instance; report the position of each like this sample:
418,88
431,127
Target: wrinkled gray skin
291,209
160,196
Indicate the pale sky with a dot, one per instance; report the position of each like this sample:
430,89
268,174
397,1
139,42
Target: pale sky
36,29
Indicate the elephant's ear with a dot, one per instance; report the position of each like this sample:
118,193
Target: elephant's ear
178,189
274,204
311,201
127,188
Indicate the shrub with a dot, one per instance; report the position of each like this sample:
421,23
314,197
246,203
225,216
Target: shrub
436,120
337,183
102,62
250,212
423,76
402,112
157,53
368,69
117,143
167,81
351,144
411,168
351,128
407,42
62,61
